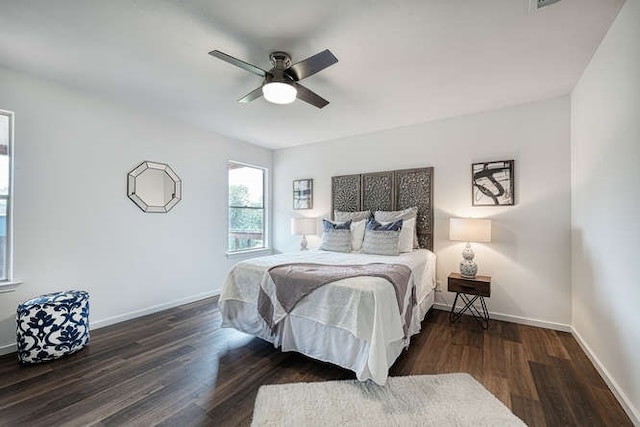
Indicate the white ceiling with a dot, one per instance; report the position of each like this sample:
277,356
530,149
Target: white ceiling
400,62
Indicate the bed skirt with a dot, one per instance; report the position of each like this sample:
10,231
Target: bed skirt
319,341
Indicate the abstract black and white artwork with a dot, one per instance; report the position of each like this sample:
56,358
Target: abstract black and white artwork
303,194
492,183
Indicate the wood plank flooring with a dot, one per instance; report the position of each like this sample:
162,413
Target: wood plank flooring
179,368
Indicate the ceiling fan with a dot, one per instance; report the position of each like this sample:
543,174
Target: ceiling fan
280,85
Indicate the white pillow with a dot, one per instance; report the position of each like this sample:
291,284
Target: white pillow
342,216
405,242
357,234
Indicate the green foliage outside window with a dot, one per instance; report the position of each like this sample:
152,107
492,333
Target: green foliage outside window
246,220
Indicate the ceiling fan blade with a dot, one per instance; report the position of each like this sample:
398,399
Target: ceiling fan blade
254,94
310,66
310,96
238,63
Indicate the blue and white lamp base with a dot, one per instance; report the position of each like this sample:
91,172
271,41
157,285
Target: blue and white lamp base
468,267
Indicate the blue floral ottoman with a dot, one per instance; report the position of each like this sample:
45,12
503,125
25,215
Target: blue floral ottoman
52,325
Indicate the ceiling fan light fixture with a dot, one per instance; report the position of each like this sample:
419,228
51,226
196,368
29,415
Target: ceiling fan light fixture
279,93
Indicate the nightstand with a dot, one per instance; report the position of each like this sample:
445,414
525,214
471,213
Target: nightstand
469,290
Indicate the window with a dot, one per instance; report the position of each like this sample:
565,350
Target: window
6,143
246,207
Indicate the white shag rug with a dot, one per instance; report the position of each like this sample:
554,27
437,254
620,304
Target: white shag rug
420,400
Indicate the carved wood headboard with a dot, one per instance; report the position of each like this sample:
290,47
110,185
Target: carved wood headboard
388,191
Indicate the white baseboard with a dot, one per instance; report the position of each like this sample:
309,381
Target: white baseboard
150,310
8,348
11,348
625,402
517,319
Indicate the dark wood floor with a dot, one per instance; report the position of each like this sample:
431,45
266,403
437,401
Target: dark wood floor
179,368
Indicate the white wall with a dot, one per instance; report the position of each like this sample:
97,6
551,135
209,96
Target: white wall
74,226
529,259
605,141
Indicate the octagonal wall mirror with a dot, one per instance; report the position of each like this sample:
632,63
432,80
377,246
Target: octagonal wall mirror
154,187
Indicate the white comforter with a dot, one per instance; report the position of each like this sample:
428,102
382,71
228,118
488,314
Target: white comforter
364,308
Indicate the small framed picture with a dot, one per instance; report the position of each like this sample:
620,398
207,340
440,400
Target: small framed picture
303,194
492,183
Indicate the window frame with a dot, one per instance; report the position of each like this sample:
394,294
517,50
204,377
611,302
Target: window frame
265,212
8,283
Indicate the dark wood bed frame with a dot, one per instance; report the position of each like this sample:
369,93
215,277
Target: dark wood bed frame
388,191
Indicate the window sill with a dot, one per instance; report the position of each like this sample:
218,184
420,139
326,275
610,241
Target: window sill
249,253
9,285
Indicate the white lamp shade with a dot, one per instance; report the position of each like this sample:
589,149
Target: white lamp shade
470,229
279,93
303,226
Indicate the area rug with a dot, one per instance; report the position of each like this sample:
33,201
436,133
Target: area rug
421,400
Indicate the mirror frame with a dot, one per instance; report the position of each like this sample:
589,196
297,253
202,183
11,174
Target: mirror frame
140,202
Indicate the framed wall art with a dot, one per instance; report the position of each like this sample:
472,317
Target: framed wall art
303,194
492,183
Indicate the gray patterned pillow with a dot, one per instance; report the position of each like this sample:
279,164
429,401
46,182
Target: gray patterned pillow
408,213
336,236
382,239
353,216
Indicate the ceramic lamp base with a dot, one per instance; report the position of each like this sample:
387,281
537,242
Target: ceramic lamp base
468,269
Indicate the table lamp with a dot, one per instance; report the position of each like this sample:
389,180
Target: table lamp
469,230
302,227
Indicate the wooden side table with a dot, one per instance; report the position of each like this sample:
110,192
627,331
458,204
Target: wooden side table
469,290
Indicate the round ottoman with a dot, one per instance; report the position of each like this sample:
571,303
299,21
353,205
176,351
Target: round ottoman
52,325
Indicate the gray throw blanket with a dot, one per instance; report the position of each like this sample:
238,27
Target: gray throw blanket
296,280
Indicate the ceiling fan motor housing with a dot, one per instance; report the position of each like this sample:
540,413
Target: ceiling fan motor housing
281,61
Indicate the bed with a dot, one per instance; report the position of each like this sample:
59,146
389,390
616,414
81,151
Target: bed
353,322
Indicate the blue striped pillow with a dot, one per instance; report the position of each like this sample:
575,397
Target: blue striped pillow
336,236
382,239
